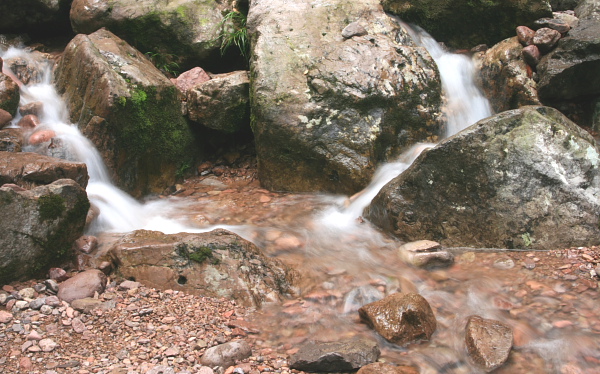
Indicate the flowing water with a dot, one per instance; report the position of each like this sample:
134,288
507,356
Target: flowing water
345,262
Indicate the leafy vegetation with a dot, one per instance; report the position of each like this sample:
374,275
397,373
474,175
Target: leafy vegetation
164,62
235,33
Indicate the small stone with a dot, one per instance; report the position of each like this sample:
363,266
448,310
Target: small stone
29,122
172,352
25,363
354,29
488,342
504,263
34,335
129,285
428,260
525,35
420,246
78,326
546,39
86,244
52,285
553,23
27,293
37,303
531,55
58,274
46,310
21,305
5,317
48,345
39,288
53,301
226,354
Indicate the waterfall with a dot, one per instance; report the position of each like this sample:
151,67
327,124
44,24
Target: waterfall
464,106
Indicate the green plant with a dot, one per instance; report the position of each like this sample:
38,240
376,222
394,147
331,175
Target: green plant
164,62
527,239
234,32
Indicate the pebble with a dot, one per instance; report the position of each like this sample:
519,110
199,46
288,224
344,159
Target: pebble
5,317
27,293
48,345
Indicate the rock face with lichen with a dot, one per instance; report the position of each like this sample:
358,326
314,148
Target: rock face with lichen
38,227
513,180
218,264
488,21
328,108
127,108
186,32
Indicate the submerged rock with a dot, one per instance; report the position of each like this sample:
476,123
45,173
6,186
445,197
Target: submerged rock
38,227
326,110
218,264
383,368
488,21
31,169
11,140
340,356
488,342
523,178
221,103
400,318
504,78
127,108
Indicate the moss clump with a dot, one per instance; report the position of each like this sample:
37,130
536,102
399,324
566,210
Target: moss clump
201,254
51,207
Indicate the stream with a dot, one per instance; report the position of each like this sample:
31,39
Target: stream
344,262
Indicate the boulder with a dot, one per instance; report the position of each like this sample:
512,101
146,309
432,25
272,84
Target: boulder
31,169
190,79
400,318
225,355
83,285
40,17
488,21
488,342
513,180
186,32
217,264
9,94
325,109
222,103
588,9
342,356
503,76
570,71
11,140
127,108
38,228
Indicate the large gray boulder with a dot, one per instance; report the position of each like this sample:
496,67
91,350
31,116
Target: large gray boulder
523,178
504,78
218,264
183,31
28,169
127,108
38,228
326,109
466,23
221,103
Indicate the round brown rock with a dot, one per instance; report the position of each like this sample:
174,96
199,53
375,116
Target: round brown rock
82,285
546,39
525,35
488,342
29,121
400,318
531,55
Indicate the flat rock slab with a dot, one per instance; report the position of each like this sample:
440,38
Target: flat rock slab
335,356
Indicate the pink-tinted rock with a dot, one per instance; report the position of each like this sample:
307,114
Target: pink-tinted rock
86,244
30,121
190,79
488,342
5,118
531,55
58,274
5,317
546,39
36,108
554,23
41,136
13,187
525,35
82,285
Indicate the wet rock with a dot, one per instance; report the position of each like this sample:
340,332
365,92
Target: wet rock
5,118
218,263
335,356
428,260
504,78
41,136
28,68
31,169
525,35
186,32
420,246
127,108
488,342
11,140
354,29
9,94
227,354
190,79
517,179
35,108
326,109
86,244
38,226
546,39
400,318
488,22
553,23
222,103
82,285
383,368
532,55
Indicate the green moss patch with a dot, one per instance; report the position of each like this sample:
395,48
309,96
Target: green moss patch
51,207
